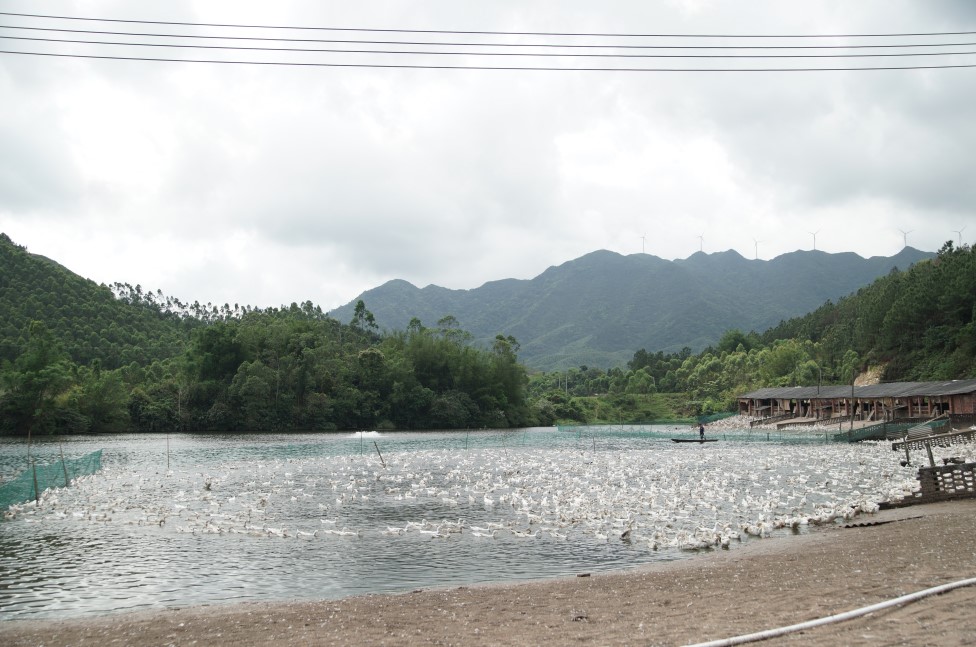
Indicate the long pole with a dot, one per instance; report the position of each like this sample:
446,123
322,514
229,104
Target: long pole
63,466
852,400
37,493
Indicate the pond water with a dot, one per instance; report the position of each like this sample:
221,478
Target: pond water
207,519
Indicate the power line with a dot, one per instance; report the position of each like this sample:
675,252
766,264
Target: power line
455,53
690,52
488,33
493,67
476,44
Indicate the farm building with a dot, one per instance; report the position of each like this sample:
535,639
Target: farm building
892,402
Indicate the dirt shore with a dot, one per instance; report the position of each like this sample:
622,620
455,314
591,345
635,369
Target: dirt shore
757,586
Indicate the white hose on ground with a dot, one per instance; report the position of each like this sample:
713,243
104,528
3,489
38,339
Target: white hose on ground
840,617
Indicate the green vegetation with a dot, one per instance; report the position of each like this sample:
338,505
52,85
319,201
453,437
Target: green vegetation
598,309
77,357
919,324
620,408
915,325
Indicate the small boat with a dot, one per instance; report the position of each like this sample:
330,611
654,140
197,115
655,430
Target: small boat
694,440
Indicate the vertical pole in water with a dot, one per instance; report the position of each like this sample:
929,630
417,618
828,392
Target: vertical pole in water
63,466
167,451
466,434
37,493
361,442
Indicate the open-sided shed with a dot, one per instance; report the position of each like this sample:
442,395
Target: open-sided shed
873,402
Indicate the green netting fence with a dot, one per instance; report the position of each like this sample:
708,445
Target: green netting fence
29,484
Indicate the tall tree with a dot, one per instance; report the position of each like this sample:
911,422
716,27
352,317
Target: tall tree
33,382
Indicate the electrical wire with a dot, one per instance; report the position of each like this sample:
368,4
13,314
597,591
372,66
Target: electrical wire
487,49
495,67
476,44
454,53
492,33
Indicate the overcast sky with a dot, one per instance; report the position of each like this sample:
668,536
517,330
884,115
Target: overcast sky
264,185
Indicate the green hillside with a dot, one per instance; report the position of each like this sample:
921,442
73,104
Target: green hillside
919,324
599,309
87,319
79,357
916,324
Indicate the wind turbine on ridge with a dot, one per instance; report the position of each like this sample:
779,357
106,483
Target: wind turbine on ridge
643,240
814,234
959,231
905,234
757,241
701,242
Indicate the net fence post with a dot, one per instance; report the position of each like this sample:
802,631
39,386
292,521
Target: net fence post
37,493
67,482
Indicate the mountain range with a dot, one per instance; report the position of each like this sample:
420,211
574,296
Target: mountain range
599,309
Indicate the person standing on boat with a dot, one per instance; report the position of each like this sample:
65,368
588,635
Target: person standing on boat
701,431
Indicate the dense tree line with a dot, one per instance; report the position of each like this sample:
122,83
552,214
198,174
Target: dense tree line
80,357
286,369
919,324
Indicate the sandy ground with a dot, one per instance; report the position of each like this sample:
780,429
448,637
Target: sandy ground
756,586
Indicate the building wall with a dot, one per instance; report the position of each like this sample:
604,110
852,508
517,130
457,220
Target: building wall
882,408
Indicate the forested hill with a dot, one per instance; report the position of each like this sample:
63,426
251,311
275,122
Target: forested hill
916,324
599,309
78,358
88,320
919,324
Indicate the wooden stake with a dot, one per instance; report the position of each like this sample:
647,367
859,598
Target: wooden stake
37,493
63,466
378,453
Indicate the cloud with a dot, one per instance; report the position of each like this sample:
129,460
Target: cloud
266,185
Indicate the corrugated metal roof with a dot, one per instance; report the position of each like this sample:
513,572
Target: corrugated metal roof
889,390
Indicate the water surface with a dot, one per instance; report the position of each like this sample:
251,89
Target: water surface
203,519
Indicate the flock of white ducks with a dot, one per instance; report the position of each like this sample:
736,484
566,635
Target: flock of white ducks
666,497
